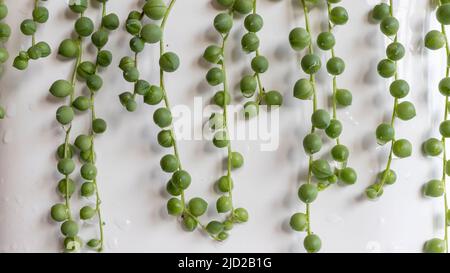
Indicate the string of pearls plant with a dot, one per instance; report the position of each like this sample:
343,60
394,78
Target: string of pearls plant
29,27
399,89
435,40
341,97
88,71
84,144
299,39
5,32
143,34
217,76
250,83
189,212
61,212
306,89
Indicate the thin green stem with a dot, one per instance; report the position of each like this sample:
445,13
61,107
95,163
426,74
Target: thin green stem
444,178
167,104
162,82
33,37
225,117
136,55
444,158
92,151
261,90
382,181
334,102
313,81
69,129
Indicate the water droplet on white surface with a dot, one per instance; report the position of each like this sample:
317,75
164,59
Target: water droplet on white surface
32,107
334,219
382,220
122,224
11,110
8,136
18,201
113,243
373,247
351,119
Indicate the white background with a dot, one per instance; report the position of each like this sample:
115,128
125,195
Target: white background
132,184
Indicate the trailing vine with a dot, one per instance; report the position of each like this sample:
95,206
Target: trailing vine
85,143
399,89
306,89
86,71
171,163
29,27
5,33
250,83
215,54
434,40
340,97
70,49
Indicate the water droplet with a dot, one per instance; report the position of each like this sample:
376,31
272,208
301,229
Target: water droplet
11,110
373,247
351,118
32,107
18,201
112,243
8,136
14,247
334,219
122,224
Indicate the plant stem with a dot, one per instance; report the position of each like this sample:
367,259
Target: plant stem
261,90
389,162
225,117
69,129
92,152
167,104
313,81
330,29
33,37
444,159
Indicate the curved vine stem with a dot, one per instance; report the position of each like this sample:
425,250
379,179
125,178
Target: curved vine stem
261,89
391,151
167,104
225,116
2,47
92,157
330,29
33,37
444,157
313,81
69,129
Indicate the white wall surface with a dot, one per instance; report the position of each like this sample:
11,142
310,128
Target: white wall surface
132,184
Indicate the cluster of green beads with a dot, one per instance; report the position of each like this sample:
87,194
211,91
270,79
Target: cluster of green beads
85,143
337,16
29,27
250,83
399,89
305,89
435,40
150,33
87,72
217,76
5,32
